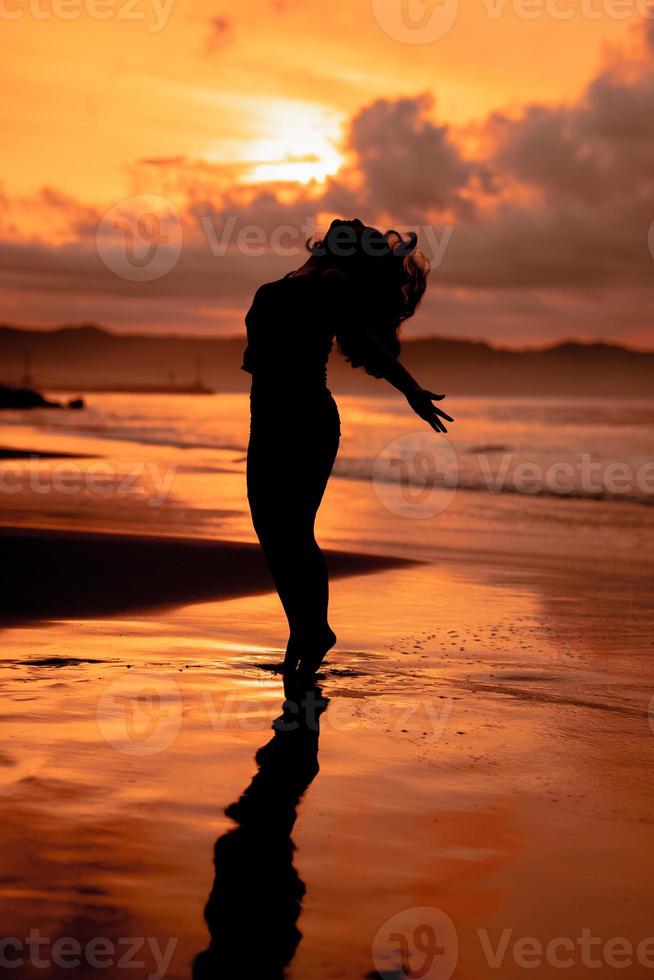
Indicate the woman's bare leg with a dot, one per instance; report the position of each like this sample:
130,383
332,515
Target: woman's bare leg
290,458
300,574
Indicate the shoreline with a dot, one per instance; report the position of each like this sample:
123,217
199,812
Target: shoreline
487,728
483,741
10,453
66,574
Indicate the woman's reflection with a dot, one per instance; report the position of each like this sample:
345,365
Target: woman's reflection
256,898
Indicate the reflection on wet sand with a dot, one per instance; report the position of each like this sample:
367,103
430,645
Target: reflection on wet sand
256,899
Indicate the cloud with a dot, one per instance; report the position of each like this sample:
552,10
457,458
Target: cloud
551,207
220,33
408,164
594,151
574,192
48,215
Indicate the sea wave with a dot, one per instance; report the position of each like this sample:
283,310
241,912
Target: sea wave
366,469
488,450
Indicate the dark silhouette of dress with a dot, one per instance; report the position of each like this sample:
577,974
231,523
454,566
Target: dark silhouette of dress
294,437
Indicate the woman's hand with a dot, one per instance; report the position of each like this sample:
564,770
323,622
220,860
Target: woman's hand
421,400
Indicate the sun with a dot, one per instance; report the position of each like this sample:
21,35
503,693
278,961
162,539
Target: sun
288,141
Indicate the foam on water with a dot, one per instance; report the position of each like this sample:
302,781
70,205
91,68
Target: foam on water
581,448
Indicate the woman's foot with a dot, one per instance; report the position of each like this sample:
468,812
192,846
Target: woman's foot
291,658
306,654
314,652
302,651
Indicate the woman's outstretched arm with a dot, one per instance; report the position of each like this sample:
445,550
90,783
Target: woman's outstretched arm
379,356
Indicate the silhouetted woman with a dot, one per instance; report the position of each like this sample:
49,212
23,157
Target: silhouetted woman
358,285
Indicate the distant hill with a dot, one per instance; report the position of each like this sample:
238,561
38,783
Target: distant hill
89,357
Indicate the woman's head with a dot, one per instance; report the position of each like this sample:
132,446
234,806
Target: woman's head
387,274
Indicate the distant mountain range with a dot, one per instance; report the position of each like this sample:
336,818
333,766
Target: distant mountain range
88,357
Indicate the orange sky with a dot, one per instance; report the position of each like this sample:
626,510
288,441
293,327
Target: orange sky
231,101
89,97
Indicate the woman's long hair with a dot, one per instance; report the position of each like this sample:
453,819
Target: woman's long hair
388,277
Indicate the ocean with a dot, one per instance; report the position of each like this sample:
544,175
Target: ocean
507,465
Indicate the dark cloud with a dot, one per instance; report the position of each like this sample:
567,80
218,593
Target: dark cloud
220,33
601,148
550,226
176,161
407,163
575,193
51,212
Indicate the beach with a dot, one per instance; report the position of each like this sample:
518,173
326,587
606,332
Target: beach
476,778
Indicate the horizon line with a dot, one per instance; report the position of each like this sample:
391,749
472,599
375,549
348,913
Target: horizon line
480,341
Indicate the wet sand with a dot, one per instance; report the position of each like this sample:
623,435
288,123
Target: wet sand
481,774
485,754
55,574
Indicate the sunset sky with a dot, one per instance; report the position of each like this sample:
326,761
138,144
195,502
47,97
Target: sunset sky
519,145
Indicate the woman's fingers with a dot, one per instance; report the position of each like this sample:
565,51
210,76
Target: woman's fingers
436,423
429,412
